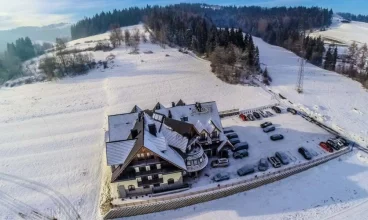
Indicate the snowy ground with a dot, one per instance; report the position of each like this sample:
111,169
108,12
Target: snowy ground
297,132
337,100
52,133
345,33
335,190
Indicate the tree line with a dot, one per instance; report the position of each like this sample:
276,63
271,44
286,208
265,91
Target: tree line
230,50
23,49
353,17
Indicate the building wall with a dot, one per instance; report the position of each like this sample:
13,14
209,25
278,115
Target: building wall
178,177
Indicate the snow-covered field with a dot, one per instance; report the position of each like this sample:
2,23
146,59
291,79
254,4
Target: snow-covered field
335,190
345,33
52,136
337,100
52,133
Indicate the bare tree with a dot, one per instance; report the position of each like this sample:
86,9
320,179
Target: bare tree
116,36
48,65
127,38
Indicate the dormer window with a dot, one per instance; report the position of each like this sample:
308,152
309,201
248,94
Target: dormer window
215,134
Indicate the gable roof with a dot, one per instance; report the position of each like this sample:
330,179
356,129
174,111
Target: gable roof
157,144
120,126
181,127
136,109
118,151
180,103
159,105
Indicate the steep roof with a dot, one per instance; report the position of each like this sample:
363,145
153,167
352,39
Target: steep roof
207,119
136,109
159,144
180,103
183,128
120,126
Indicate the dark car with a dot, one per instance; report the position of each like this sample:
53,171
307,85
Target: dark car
269,129
277,137
232,135
282,157
305,153
256,115
292,111
266,124
251,117
234,141
326,147
222,162
269,113
263,114
275,162
276,109
240,154
241,146
228,131
221,177
333,144
263,164
243,117
248,169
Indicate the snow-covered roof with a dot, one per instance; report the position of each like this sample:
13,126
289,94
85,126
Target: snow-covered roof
117,152
120,126
207,119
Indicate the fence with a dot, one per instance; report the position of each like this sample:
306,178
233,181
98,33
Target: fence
229,113
249,111
187,199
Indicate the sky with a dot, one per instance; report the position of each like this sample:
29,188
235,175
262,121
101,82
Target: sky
16,13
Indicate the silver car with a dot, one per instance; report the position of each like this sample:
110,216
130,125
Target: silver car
221,177
282,157
263,164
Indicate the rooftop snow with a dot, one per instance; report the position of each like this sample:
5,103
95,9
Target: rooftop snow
117,152
120,126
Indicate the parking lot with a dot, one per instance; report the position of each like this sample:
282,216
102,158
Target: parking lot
297,132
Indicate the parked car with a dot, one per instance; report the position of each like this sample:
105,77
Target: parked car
266,124
276,109
221,177
263,164
343,140
241,146
243,117
269,113
331,143
228,131
305,153
269,129
256,115
251,117
292,111
232,135
282,157
248,169
222,162
240,154
263,114
339,143
275,162
234,141
326,147
277,137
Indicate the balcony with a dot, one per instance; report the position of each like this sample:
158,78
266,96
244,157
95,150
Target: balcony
150,182
156,171
199,166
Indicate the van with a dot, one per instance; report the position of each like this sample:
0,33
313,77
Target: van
232,135
245,170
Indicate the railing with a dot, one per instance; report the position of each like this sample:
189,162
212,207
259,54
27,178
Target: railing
150,182
187,199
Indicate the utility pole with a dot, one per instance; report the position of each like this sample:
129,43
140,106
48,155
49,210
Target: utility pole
299,84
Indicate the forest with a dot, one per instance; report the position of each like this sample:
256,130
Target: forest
353,17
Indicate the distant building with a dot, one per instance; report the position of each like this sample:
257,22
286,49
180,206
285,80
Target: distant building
151,151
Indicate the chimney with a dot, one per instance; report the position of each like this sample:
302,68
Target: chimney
170,115
134,133
152,129
172,104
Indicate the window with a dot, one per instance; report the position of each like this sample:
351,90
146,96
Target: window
195,162
131,188
136,169
158,166
148,168
139,179
170,181
148,154
138,155
149,177
160,176
201,160
214,134
142,155
203,135
189,163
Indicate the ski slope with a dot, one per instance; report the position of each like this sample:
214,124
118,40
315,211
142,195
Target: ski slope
52,134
